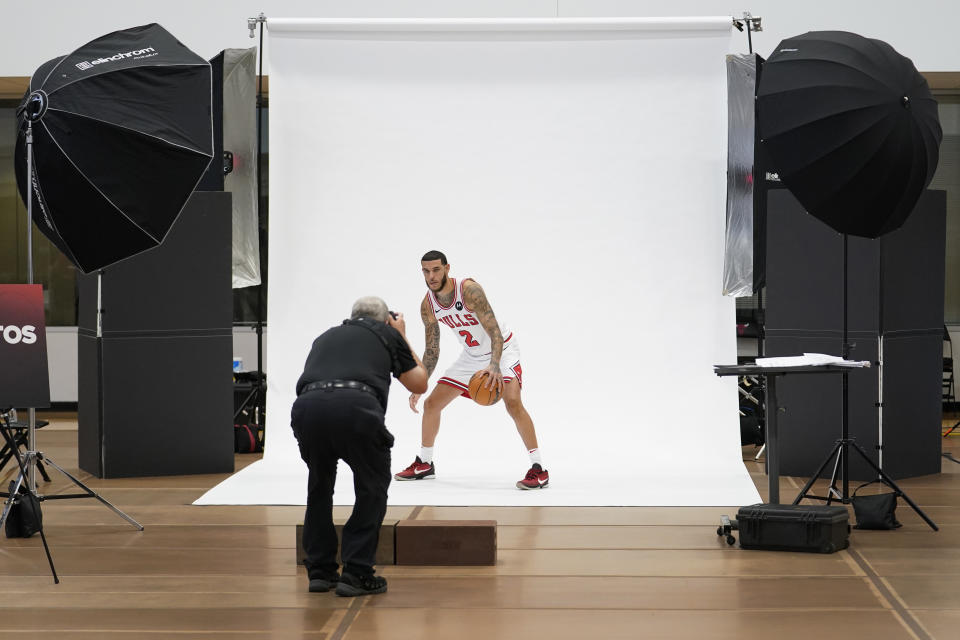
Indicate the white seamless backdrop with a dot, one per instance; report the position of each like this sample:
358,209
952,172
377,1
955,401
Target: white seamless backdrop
575,168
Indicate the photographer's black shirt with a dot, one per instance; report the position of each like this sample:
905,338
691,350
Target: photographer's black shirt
352,351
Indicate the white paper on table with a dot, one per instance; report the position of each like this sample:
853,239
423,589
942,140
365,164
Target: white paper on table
810,359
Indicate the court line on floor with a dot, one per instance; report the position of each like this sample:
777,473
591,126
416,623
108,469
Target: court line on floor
352,612
902,613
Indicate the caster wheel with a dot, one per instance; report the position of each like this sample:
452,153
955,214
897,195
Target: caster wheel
719,531
731,540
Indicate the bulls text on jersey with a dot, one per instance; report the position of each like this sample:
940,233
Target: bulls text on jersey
455,320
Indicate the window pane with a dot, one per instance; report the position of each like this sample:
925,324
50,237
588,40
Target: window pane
50,267
948,179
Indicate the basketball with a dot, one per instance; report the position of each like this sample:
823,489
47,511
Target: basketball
481,395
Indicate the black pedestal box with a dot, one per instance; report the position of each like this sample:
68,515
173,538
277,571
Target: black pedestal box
156,390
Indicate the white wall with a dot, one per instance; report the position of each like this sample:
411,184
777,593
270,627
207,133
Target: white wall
62,363
245,347
62,358
924,30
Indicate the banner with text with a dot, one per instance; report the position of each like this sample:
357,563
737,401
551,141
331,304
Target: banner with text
24,378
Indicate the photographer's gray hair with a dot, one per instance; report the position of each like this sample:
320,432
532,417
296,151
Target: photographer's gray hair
369,307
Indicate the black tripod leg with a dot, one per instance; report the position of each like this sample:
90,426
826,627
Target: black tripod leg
6,453
53,570
10,442
43,472
816,474
893,484
15,452
246,401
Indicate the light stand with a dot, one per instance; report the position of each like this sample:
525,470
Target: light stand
260,408
841,449
31,411
35,107
880,360
259,411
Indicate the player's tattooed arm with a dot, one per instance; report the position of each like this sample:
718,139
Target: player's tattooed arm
476,299
431,353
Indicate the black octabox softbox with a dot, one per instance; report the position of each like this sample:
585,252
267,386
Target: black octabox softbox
122,133
851,128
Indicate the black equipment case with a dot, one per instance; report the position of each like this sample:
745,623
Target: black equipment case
789,527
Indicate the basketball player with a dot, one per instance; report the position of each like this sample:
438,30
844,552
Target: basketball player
487,344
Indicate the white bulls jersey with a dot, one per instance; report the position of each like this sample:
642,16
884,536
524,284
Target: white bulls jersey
464,323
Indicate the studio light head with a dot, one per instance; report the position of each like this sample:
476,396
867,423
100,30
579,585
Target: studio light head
35,105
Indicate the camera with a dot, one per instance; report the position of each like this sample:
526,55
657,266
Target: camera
393,314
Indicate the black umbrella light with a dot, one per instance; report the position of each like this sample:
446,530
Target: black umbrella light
122,133
850,127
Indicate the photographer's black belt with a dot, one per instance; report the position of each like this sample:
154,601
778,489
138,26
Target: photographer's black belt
330,385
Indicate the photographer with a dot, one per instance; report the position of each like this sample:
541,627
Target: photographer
339,414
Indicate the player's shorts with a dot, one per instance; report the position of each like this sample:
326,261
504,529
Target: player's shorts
459,374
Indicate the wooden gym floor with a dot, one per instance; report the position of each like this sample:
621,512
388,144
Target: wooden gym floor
599,573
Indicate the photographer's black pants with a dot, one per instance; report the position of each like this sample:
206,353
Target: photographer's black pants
342,424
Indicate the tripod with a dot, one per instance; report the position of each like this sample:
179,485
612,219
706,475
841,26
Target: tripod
15,490
26,462
841,449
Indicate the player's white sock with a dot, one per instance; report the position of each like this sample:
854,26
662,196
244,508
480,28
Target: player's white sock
426,455
535,457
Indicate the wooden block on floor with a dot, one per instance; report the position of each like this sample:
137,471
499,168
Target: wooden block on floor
446,542
385,545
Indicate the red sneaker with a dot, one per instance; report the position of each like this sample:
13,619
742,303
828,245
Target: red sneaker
419,470
536,478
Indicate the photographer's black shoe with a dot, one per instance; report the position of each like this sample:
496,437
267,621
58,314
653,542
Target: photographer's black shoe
323,583
351,585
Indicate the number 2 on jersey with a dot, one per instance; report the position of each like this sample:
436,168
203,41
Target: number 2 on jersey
469,339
